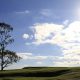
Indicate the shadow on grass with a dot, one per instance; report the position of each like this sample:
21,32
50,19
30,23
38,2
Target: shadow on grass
36,74
7,79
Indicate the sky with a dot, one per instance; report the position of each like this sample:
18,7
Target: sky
46,32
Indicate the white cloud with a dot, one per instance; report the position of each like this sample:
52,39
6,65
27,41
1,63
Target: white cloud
58,33
40,58
67,63
27,43
66,22
46,12
30,56
39,62
46,30
23,12
26,36
25,55
68,38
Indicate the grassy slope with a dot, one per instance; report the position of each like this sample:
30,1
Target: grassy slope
45,73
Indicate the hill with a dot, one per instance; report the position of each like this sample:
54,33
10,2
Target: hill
42,73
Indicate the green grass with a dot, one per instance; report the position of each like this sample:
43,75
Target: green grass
42,73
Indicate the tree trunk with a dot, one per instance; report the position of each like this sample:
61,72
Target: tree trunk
2,63
2,60
2,67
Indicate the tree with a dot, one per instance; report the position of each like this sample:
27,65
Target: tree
7,57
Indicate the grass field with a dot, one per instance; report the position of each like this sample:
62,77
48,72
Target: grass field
42,73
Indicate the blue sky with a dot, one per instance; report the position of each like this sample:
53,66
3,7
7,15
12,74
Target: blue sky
46,32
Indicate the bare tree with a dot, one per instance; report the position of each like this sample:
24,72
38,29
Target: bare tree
6,57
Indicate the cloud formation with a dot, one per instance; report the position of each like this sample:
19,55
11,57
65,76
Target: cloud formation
30,56
25,55
25,36
45,32
46,12
38,60
23,12
68,38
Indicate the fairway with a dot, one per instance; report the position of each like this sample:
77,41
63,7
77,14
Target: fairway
42,73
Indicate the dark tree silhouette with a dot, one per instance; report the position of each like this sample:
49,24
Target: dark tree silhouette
6,57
